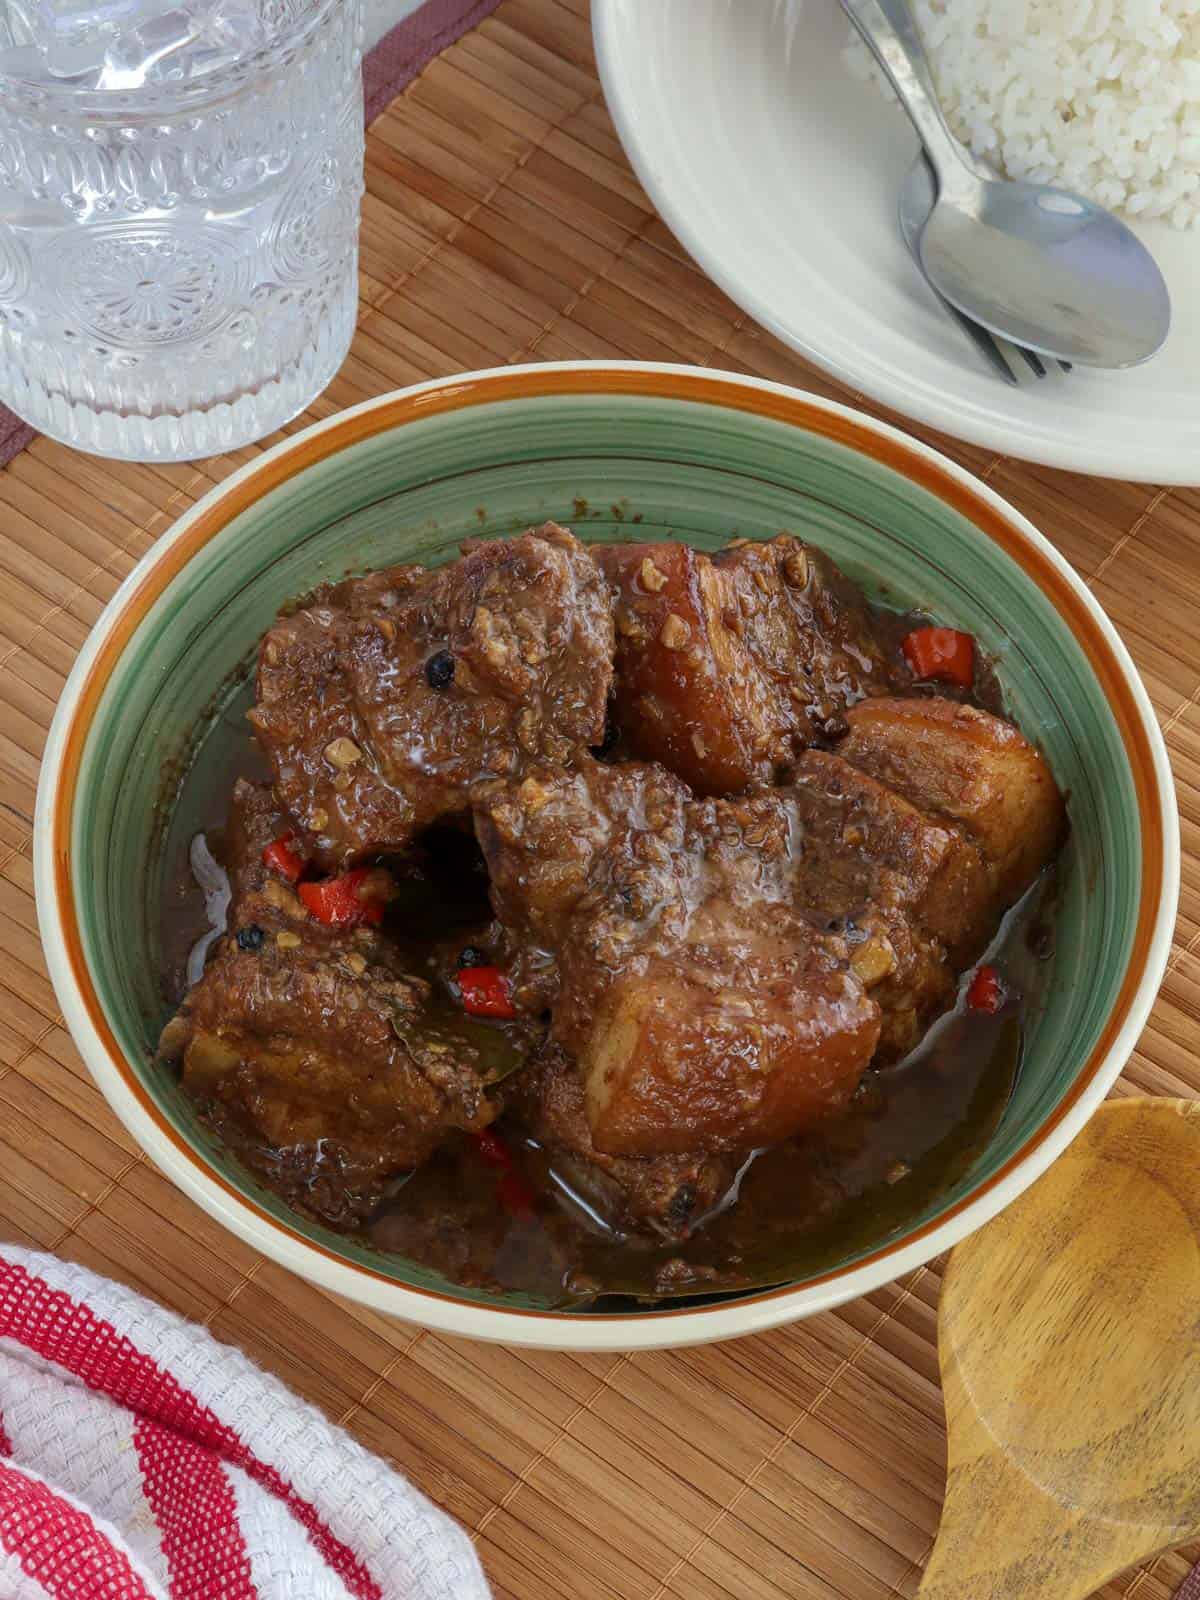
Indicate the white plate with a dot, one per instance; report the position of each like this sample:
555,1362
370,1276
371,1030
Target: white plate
779,171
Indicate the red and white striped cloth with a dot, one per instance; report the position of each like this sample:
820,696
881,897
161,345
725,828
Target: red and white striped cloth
142,1460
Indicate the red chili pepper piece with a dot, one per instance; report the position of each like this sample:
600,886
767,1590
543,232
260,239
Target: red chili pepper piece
515,1195
513,1190
985,991
943,654
493,1149
485,992
281,858
337,902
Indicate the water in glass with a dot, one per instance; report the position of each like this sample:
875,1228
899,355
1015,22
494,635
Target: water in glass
179,198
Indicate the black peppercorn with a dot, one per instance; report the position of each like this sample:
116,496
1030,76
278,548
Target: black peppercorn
250,937
439,670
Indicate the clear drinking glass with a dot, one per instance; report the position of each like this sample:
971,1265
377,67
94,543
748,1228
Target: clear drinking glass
179,200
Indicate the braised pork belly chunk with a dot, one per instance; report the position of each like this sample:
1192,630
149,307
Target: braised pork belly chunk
585,879
319,1039
665,1194
912,888
385,699
704,1011
960,762
729,666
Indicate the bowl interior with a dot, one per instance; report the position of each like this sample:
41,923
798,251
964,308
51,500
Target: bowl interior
613,466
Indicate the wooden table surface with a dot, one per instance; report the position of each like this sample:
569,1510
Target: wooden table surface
502,223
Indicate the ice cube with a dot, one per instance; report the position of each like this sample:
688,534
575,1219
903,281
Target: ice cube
75,36
236,24
124,44
58,17
139,55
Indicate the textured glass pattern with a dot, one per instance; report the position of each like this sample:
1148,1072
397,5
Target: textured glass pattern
178,264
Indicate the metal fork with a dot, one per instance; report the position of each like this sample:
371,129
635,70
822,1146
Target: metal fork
917,195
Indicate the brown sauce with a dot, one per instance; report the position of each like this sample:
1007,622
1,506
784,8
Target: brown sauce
911,1132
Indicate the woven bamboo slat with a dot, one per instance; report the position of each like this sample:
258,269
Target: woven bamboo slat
502,223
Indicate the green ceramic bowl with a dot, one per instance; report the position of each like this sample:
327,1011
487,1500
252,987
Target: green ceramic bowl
615,452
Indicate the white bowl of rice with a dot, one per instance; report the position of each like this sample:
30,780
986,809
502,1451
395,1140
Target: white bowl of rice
1098,96
777,162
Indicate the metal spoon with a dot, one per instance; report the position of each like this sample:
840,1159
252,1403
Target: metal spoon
1040,266
917,194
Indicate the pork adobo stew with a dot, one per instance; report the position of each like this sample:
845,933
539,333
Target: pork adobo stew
610,919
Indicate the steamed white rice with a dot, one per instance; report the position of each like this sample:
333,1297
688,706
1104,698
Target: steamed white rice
1100,96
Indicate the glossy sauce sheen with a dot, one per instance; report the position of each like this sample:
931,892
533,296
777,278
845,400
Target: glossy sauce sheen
910,1132
541,1224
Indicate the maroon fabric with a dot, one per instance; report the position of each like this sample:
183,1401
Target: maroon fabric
1191,1585
393,63
14,435
400,54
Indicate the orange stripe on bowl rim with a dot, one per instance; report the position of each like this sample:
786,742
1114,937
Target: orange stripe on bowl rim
795,409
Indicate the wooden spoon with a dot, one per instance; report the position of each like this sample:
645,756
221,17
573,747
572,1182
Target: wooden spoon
1069,1335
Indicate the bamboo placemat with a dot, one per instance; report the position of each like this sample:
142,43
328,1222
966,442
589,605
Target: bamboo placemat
502,223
